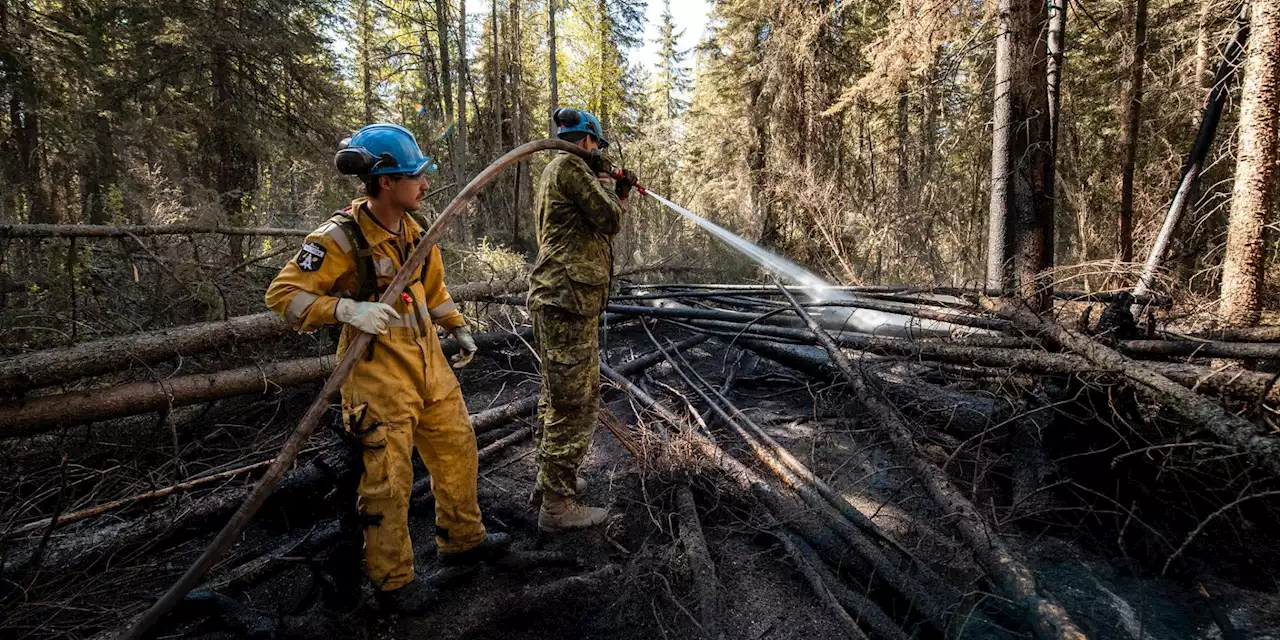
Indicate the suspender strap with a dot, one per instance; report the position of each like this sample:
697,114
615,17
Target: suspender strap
367,289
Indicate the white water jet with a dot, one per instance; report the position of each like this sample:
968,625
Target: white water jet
837,318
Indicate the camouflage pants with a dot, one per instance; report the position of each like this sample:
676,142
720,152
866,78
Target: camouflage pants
569,346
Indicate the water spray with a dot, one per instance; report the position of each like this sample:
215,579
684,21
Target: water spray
837,318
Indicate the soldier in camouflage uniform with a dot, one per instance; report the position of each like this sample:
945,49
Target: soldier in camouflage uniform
579,211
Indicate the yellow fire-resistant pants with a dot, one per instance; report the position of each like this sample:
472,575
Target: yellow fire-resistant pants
407,397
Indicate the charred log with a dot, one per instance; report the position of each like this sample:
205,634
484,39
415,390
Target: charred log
1046,618
1196,410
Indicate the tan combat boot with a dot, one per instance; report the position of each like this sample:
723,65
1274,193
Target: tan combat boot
535,498
560,513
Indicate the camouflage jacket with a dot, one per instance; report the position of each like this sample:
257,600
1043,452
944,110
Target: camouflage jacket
577,217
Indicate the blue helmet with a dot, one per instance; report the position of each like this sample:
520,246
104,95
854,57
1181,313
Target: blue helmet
570,120
382,149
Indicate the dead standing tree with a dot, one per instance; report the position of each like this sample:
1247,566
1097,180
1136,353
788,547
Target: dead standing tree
1020,232
1251,199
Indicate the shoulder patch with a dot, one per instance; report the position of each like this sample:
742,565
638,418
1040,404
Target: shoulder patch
311,256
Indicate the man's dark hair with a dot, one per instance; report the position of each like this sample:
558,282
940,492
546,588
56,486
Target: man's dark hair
373,188
574,137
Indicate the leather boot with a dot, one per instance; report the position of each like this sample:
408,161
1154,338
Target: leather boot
411,599
560,513
535,498
494,546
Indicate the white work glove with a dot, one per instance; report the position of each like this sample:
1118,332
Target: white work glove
369,317
466,347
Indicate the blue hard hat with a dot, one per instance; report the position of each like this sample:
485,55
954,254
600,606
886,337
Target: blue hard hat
382,149
570,120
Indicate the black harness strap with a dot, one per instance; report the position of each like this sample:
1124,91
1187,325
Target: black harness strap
367,289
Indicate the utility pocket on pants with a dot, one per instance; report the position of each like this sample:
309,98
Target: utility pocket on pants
568,376
375,481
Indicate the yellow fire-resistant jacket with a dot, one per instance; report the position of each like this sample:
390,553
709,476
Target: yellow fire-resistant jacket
307,289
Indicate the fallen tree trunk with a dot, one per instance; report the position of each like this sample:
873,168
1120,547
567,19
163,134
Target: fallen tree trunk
755,289
807,563
56,366
32,416
1245,385
491,419
1241,334
704,570
100,231
925,311
953,410
195,483
785,328
38,415
839,317
821,578
813,529
1157,388
928,593
1194,349
80,545
1041,611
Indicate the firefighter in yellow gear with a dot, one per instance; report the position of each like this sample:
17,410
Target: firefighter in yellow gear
402,393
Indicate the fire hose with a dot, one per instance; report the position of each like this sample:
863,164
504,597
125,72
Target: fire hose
307,425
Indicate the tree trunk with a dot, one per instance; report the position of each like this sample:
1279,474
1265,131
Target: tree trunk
1033,160
24,106
1020,231
518,133
23,372
495,73
903,134
601,101
1195,410
703,568
1203,51
1137,16
1047,619
460,161
442,35
101,173
180,229
758,210
1213,107
1000,224
237,170
554,64
365,27
100,166
55,366
1055,64
1251,198
37,415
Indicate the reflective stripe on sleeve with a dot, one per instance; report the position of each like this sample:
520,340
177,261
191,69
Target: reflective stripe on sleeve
339,236
446,308
298,306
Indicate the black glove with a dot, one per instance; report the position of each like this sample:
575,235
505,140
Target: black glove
623,181
597,162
